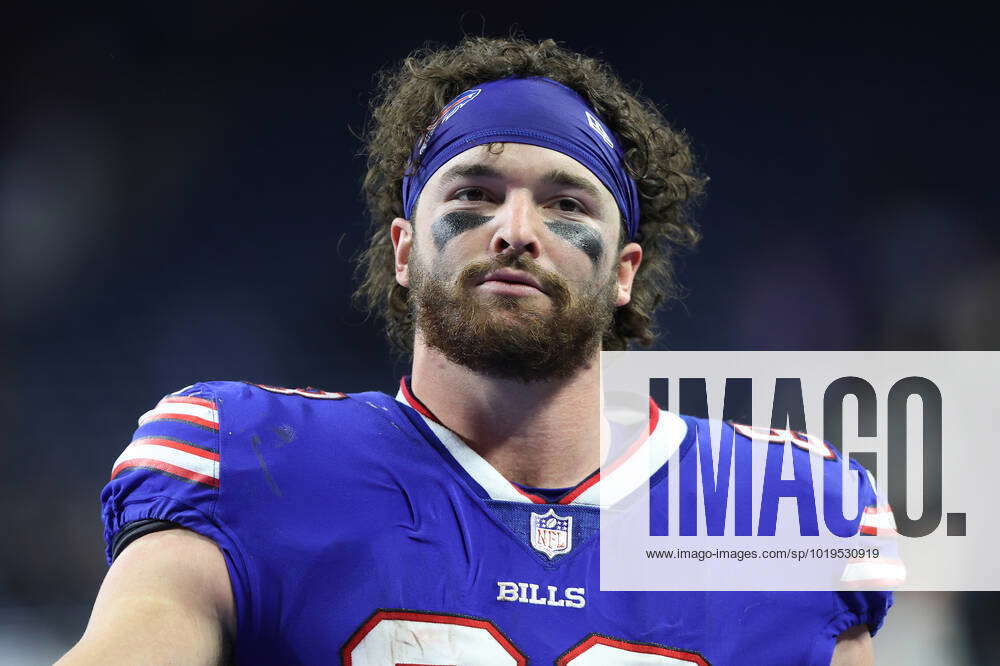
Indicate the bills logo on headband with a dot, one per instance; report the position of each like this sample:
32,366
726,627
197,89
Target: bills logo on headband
598,127
551,534
446,113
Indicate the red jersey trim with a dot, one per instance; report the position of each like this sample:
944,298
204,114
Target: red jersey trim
184,418
415,402
173,470
189,400
626,646
435,618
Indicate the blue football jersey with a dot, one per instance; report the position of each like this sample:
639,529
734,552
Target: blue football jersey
357,529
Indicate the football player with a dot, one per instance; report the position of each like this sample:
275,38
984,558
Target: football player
525,209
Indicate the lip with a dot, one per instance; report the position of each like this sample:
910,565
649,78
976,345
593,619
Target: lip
508,276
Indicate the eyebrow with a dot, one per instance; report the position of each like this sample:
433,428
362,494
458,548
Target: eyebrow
563,179
476,170
557,177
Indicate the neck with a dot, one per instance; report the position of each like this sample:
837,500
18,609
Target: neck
542,434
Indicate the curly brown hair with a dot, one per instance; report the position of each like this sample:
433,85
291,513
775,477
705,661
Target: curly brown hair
657,156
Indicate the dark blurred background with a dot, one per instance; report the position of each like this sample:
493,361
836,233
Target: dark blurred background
180,200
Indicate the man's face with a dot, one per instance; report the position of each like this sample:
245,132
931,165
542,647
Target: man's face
512,261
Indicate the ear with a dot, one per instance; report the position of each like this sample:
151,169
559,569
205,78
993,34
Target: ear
401,233
628,264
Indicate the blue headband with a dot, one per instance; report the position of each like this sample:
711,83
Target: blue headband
536,111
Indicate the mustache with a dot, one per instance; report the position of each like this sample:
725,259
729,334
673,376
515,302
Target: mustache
551,283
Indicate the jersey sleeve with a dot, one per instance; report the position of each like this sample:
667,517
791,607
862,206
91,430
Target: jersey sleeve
169,471
869,603
869,606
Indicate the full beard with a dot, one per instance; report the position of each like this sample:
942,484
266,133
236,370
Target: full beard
505,336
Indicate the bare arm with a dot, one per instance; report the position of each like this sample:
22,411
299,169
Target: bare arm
854,648
166,600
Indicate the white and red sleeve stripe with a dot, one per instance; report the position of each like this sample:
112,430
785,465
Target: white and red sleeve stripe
878,520
170,456
196,411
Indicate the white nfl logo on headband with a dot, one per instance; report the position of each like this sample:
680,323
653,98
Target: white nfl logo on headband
596,125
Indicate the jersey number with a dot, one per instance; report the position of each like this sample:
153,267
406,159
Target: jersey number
407,638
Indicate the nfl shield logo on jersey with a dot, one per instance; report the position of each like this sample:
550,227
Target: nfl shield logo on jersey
551,534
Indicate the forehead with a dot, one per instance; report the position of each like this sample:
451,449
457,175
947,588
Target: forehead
523,163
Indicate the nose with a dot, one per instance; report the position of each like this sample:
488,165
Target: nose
519,226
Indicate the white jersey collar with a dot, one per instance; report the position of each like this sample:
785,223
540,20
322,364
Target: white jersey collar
613,482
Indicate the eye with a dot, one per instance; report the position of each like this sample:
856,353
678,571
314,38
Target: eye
568,205
471,194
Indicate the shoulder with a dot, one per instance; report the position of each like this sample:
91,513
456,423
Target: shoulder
802,441
254,417
169,472
192,440
772,441
241,406
308,415
208,404
201,454
815,463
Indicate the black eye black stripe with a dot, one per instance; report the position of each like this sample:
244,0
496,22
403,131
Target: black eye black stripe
452,224
580,236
